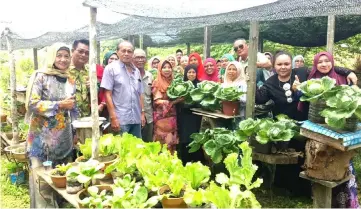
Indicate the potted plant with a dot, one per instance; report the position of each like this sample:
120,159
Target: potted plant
98,196
216,143
18,152
313,91
57,175
16,172
86,150
85,173
204,94
173,191
230,97
343,108
3,118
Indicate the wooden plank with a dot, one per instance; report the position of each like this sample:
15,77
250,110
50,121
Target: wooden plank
14,114
329,184
71,198
93,82
207,42
322,196
214,114
202,114
337,144
252,67
330,33
141,42
281,159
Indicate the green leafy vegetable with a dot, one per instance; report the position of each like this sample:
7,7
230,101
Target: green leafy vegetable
204,94
86,148
179,88
313,89
229,93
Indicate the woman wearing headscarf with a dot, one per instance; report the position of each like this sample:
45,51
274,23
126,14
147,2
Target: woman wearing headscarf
51,105
109,57
344,195
153,66
225,59
235,76
188,123
211,70
298,61
196,59
164,115
177,70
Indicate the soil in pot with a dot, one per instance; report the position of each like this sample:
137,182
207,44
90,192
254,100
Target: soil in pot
326,163
172,202
81,159
73,186
230,108
260,148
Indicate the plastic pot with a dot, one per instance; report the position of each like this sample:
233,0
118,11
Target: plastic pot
171,202
58,181
230,108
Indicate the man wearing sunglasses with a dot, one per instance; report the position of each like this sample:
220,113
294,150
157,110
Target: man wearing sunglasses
240,47
79,75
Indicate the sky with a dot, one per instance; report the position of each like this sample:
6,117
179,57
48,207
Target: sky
32,18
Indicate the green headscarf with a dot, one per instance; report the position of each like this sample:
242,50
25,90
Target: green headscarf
230,59
107,56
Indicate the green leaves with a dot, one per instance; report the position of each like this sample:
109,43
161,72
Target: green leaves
179,88
204,94
229,93
216,142
343,102
196,174
86,148
313,89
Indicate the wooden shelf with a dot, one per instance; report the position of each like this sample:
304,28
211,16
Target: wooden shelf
280,159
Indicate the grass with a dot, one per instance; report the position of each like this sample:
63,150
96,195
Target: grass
12,196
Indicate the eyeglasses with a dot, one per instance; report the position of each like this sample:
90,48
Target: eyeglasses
241,46
209,66
288,92
139,58
156,62
81,51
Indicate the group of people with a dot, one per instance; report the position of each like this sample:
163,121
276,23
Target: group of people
135,101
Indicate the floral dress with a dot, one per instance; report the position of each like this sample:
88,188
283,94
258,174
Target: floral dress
165,121
50,135
79,79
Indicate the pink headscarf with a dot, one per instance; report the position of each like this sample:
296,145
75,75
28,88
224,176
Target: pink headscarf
340,80
214,76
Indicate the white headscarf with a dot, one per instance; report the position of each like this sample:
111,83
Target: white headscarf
151,61
241,75
175,59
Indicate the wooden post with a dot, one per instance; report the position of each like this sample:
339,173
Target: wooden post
98,52
14,113
252,59
330,33
188,49
35,54
207,42
141,41
93,82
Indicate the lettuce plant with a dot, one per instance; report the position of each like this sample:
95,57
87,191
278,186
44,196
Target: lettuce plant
229,93
315,88
204,94
216,143
196,174
85,172
180,88
96,199
342,103
86,148
107,145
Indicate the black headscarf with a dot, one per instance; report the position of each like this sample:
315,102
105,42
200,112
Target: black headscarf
187,68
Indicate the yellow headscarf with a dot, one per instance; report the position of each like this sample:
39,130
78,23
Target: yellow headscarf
48,69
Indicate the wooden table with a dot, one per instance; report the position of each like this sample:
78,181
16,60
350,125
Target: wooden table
62,191
322,190
213,119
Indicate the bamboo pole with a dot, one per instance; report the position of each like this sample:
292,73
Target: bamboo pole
93,82
35,54
252,67
207,42
14,113
141,42
330,33
188,49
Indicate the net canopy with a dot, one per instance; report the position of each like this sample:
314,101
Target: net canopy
294,22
